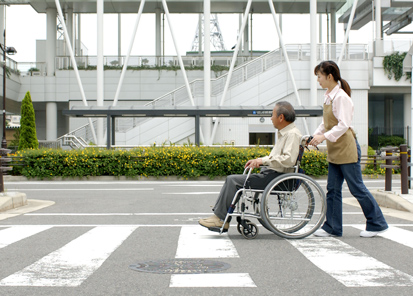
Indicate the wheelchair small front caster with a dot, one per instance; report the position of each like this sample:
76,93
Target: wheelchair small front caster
249,232
239,225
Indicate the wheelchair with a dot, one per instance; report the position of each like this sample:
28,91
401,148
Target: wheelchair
292,205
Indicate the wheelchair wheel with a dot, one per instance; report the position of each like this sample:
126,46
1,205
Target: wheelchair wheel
249,232
239,226
293,206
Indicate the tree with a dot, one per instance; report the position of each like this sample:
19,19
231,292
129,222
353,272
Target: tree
28,138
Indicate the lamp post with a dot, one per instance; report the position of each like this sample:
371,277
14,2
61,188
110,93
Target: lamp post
11,51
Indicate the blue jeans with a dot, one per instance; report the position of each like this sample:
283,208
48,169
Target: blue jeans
351,172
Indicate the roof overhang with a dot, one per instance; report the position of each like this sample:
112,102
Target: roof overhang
184,6
185,111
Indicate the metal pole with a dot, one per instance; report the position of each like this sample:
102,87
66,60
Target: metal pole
113,130
207,70
403,167
350,22
108,120
125,65
4,141
197,130
72,57
387,184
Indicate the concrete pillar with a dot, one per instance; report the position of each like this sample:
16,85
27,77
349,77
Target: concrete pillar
207,69
313,60
100,74
2,20
119,39
378,25
200,34
69,24
280,23
51,15
51,105
51,121
158,33
320,28
79,35
246,38
333,26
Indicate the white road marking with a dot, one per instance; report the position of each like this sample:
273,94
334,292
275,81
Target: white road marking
81,189
199,242
141,214
13,234
348,265
398,235
238,280
190,193
75,262
152,225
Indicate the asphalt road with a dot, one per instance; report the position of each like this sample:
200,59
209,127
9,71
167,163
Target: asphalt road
85,243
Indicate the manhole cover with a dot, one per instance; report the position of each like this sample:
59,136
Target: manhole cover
180,266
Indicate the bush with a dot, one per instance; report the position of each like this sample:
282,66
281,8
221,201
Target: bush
390,141
314,163
28,138
185,162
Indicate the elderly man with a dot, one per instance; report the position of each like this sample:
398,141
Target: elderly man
281,160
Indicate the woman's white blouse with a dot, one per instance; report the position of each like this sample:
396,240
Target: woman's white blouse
343,110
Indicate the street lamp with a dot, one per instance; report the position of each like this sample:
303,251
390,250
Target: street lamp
10,51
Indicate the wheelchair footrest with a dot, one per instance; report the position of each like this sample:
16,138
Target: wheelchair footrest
217,229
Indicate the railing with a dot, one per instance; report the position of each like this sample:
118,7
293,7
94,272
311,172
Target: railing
72,141
12,65
32,69
144,62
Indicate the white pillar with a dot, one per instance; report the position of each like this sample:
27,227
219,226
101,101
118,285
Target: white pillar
119,39
320,28
51,121
333,26
246,39
51,107
51,14
207,70
280,24
378,25
69,23
158,48
100,82
79,35
200,35
2,21
313,59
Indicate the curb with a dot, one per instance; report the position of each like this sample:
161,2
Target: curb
12,200
392,200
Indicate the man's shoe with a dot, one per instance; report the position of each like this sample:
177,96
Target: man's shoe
322,233
366,233
213,218
213,222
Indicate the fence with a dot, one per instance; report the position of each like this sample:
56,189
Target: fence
403,166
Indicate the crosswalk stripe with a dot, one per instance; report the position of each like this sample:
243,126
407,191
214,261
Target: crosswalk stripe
14,234
395,234
238,280
348,265
73,263
199,242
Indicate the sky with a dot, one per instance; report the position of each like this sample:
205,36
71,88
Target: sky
24,26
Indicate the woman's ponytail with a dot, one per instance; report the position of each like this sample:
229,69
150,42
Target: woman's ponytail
345,86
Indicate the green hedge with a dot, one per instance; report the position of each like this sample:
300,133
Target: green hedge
185,162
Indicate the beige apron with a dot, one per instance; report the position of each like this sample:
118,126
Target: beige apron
344,150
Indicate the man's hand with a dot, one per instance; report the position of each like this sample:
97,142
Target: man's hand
253,163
